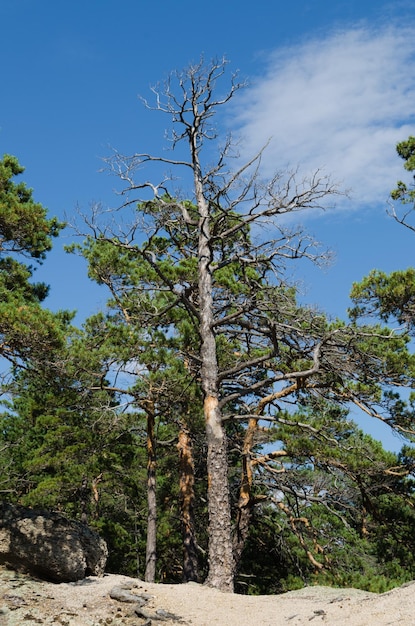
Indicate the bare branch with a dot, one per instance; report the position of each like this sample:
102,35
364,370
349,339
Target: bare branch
403,219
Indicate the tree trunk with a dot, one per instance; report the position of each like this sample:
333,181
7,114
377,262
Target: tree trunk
246,501
150,572
187,498
221,563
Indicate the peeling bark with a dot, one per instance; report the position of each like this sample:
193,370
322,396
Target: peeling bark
187,498
246,501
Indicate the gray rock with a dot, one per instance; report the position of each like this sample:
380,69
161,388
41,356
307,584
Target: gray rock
121,593
49,545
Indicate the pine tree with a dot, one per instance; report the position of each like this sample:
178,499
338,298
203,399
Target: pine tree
27,330
218,261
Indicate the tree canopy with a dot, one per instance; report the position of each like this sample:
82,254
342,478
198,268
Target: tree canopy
214,263
202,420
403,192
26,329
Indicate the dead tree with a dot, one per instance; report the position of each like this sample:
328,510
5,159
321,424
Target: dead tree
214,226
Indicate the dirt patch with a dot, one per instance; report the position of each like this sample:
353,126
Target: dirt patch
115,600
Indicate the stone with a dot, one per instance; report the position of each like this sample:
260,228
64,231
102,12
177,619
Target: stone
49,545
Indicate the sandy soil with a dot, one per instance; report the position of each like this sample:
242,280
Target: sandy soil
25,601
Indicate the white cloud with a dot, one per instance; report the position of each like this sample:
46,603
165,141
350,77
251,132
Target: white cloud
339,103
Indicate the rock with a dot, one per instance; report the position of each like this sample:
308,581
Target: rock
159,616
122,593
49,545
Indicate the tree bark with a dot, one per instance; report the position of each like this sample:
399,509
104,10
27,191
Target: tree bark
187,499
246,501
151,544
221,562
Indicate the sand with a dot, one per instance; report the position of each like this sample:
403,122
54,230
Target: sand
26,601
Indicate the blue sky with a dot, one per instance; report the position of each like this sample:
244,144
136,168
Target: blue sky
332,82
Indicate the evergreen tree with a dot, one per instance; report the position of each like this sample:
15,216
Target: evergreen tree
67,449
404,193
255,346
27,330
204,345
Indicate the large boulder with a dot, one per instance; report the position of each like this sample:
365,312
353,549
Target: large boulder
49,545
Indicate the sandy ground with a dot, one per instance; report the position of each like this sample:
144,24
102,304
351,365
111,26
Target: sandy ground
25,601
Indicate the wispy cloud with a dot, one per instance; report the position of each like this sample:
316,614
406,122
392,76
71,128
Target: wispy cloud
338,103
